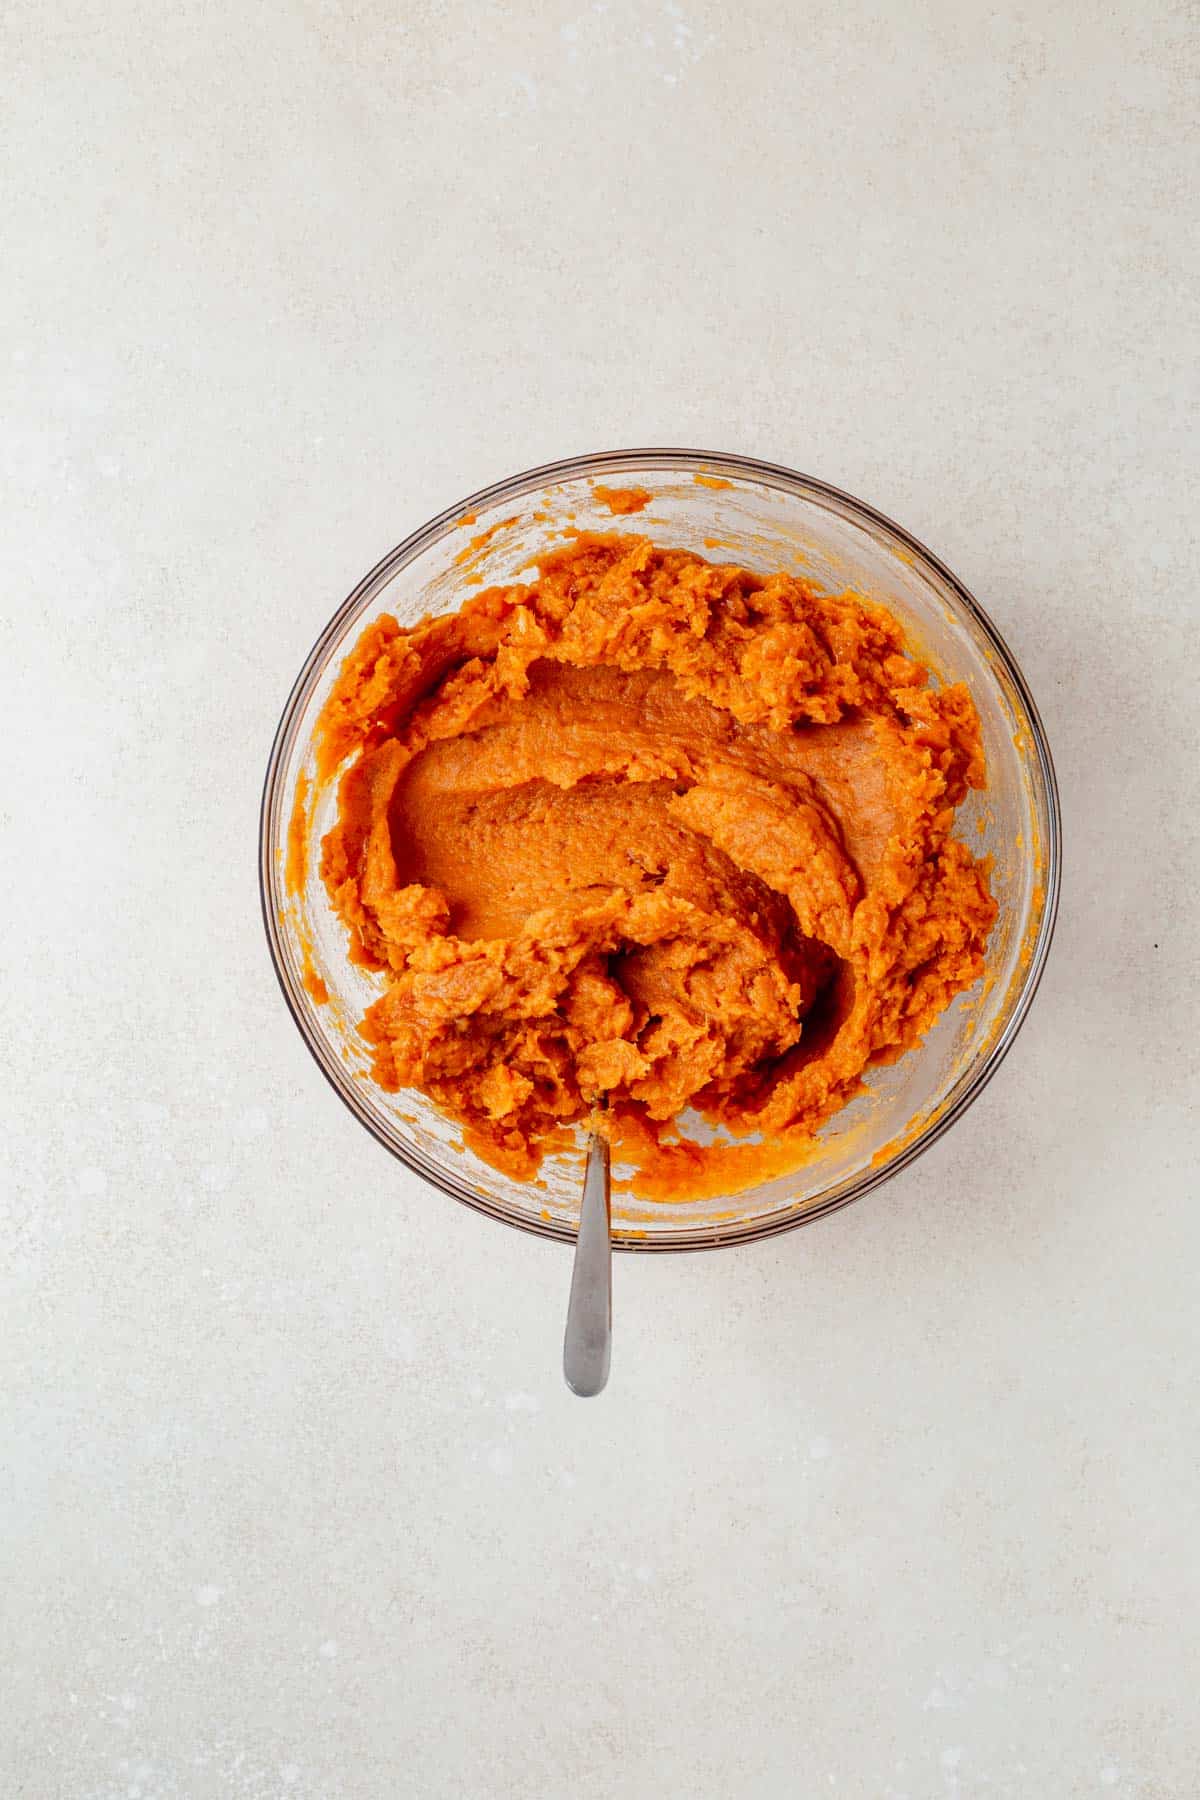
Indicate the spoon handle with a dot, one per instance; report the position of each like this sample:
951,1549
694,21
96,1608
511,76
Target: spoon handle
587,1346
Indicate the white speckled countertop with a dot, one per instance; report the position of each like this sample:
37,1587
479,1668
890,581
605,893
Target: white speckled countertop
293,1500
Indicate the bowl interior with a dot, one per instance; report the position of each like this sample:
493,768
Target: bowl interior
767,519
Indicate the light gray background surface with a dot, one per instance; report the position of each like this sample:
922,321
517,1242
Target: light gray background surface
294,1503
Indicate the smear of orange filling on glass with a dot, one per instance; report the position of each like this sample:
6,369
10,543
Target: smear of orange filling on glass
296,866
623,500
656,832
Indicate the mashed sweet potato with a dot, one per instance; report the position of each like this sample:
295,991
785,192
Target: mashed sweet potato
657,832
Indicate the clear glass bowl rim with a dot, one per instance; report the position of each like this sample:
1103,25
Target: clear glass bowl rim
712,463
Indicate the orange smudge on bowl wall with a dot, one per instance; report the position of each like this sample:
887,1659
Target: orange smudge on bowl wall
623,500
296,872
480,541
314,986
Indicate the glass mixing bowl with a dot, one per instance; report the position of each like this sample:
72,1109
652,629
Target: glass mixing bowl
766,518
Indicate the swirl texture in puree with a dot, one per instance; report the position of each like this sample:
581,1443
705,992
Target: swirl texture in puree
657,832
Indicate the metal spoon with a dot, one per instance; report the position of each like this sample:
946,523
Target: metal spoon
587,1345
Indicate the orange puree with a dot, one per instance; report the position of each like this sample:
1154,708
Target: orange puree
623,500
657,832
